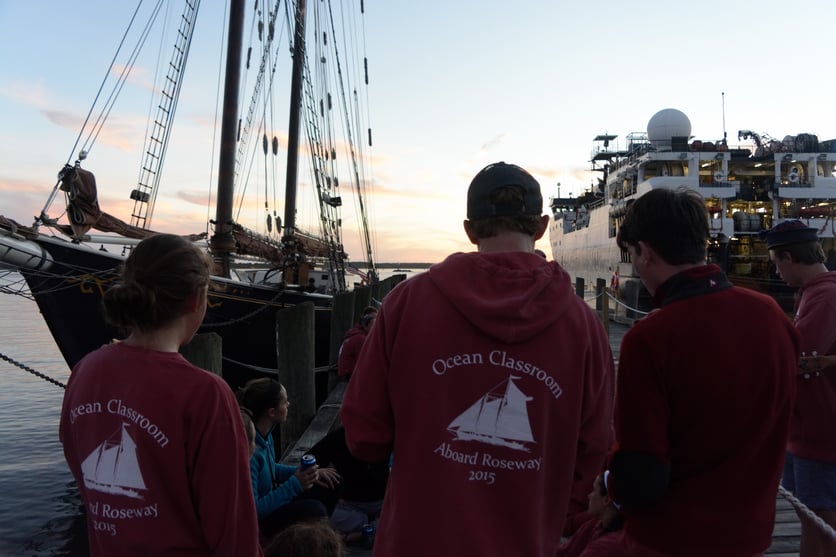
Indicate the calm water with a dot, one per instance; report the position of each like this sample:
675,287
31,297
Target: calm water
40,508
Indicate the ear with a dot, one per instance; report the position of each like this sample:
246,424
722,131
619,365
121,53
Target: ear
541,229
645,251
470,234
196,301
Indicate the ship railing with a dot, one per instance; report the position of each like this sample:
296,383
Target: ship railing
619,303
629,312
596,203
802,182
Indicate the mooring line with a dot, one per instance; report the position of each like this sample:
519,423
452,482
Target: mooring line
800,507
32,371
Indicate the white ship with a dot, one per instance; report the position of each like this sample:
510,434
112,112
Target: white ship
746,188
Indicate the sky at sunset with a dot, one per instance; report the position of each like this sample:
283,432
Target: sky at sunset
454,85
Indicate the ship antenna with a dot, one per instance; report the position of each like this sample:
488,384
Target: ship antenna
723,98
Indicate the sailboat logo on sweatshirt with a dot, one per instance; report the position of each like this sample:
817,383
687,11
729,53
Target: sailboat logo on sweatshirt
499,417
113,466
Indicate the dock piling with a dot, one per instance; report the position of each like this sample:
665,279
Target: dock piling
295,351
205,350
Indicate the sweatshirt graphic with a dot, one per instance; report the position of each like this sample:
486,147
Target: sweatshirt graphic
113,466
499,417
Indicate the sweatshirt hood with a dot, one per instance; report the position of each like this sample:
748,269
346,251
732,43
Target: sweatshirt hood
510,296
829,276
353,332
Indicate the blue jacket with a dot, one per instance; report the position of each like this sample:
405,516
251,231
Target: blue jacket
274,485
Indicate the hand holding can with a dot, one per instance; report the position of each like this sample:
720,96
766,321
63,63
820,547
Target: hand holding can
308,460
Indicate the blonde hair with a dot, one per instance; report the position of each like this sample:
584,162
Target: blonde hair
306,539
249,425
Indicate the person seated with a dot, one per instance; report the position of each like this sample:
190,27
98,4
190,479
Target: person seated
249,427
600,536
353,342
364,485
283,494
306,539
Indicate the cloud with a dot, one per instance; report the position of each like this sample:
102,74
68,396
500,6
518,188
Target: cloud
491,143
23,199
193,196
27,93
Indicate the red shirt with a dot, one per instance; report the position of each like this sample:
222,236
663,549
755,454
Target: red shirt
492,383
811,433
707,384
349,350
158,450
591,541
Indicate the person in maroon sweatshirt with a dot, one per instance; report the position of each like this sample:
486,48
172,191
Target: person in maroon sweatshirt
491,383
810,468
353,343
156,445
601,535
706,386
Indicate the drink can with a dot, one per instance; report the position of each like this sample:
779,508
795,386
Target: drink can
368,535
308,460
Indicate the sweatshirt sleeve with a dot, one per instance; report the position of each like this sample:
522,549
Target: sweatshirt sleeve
596,430
640,468
219,483
284,471
267,502
367,411
816,320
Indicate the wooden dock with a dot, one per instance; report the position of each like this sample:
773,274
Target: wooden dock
787,532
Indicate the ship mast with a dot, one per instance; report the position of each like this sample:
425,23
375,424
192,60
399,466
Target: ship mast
294,122
223,242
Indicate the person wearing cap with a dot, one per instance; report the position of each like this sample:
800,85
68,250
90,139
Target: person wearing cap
492,384
810,469
706,387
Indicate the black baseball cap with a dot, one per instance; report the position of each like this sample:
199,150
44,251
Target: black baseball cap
497,175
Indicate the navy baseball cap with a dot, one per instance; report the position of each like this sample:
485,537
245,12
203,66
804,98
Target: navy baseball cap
788,232
495,176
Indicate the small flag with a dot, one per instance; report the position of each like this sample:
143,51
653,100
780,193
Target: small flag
350,268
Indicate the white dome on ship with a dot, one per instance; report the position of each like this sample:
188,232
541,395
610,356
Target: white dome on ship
666,124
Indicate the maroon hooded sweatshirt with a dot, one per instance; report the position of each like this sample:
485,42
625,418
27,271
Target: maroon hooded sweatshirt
492,384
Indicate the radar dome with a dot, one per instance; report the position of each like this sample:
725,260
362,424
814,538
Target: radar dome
666,124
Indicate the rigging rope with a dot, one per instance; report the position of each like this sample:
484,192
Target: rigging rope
320,126
55,190
263,307
32,371
354,150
